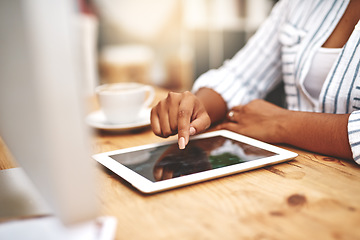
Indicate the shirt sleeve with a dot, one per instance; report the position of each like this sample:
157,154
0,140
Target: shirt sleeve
354,135
255,69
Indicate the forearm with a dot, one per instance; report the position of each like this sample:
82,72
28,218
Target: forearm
318,132
213,103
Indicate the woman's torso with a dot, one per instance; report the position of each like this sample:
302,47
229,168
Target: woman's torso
309,26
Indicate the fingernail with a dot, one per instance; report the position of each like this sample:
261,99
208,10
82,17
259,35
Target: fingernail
182,143
192,131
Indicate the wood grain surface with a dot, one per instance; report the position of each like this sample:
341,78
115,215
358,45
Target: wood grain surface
310,197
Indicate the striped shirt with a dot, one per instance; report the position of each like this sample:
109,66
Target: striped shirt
282,50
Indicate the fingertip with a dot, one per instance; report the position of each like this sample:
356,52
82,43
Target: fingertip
192,131
155,124
182,143
184,133
155,127
200,125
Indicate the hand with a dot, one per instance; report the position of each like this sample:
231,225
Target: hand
324,133
179,113
258,119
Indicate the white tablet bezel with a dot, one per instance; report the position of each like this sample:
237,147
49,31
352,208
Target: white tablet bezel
147,186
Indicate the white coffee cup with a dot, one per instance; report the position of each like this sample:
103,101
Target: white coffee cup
124,102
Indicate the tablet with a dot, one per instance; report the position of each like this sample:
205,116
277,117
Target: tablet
162,166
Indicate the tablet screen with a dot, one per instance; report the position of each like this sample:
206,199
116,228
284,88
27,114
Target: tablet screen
167,161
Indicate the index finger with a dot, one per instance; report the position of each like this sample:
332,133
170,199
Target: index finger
185,112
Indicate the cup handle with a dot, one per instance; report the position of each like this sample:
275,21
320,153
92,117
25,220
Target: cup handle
150,97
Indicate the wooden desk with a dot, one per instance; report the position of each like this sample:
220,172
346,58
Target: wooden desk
311,197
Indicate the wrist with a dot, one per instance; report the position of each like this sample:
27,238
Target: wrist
287,122
213,103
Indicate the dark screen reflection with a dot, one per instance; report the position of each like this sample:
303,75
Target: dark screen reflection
168,161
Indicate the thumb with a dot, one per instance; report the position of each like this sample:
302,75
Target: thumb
200,124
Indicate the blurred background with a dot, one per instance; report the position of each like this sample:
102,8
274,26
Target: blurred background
167,43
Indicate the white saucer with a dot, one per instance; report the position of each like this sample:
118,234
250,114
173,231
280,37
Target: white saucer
97,120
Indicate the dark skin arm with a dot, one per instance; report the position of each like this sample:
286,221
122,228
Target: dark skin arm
323,133
318,132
